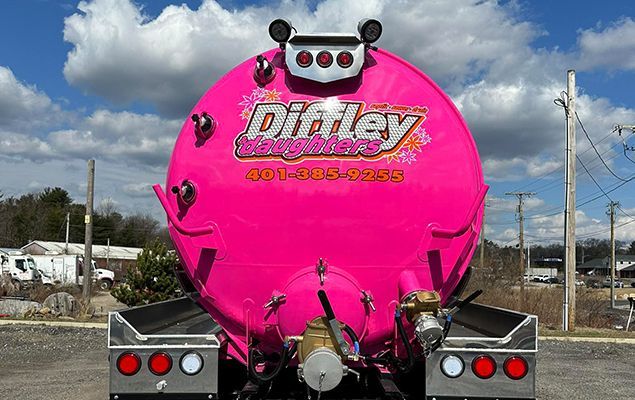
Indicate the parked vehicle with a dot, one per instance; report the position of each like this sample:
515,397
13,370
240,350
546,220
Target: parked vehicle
541,278
617,283
552,280
325,199
69,270
633,284
21,269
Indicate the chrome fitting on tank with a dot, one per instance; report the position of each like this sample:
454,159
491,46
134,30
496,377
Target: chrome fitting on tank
264,72
322,370
427,330
204,125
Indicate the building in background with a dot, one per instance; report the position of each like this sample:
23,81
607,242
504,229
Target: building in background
115,258
624,266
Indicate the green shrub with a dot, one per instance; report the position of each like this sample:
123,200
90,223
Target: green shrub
153,278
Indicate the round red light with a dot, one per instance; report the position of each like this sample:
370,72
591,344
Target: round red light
516,367
160,363
304,58
324,59
128,364
344,59
484,367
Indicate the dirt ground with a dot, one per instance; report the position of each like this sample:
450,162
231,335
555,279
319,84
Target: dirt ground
38,362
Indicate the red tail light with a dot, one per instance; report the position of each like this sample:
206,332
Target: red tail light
304,59
344,59
128,363
516,367
160,363
484,366
324,59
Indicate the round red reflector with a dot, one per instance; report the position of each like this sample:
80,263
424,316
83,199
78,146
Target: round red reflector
324,59
160,363
516,367
344,59
304,58
484,367
128,364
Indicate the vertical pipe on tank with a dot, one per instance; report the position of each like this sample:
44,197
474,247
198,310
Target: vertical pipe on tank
408,284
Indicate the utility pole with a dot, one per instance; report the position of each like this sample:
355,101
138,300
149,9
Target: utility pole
88,239
568,304
482,245
521,241
108,254
611,214
68,224
528,256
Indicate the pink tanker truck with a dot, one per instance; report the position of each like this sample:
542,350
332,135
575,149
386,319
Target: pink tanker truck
325,199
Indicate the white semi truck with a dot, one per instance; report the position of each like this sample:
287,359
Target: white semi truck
21,269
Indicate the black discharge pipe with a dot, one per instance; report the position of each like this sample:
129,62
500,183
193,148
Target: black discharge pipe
285,356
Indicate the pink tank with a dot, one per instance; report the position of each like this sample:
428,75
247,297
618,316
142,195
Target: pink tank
368,187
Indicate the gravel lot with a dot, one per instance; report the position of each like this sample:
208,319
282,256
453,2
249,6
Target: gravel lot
38,362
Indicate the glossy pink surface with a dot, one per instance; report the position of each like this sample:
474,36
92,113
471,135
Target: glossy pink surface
250,235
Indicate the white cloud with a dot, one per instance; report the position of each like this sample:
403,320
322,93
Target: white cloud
141,139
123,55
612,48
23,106
142,189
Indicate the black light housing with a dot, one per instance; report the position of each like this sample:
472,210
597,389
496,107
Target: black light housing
280,30
369,30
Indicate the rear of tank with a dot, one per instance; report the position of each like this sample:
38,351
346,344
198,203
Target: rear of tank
323,165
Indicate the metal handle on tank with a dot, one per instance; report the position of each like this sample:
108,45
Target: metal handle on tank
198,231
452,233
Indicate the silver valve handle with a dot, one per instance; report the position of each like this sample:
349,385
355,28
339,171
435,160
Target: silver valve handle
368,299
275,300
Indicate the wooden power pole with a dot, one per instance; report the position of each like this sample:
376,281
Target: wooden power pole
482,249
611,213
88,239
521,241
568,304
68,224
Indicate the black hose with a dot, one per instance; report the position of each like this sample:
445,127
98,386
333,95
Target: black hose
389,358
285,356
406,343
351,333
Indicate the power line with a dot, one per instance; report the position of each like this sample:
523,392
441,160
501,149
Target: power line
597,152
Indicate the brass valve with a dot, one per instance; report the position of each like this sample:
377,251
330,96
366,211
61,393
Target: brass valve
422,302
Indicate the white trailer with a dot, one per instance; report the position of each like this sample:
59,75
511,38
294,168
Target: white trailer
69,270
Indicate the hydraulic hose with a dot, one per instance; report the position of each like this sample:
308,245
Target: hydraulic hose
351,334
285,356
406,343
389,358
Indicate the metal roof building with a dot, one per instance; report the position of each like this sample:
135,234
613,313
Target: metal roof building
116,258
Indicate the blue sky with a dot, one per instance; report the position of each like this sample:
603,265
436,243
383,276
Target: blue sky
77,85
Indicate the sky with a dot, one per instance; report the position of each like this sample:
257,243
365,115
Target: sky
114,80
